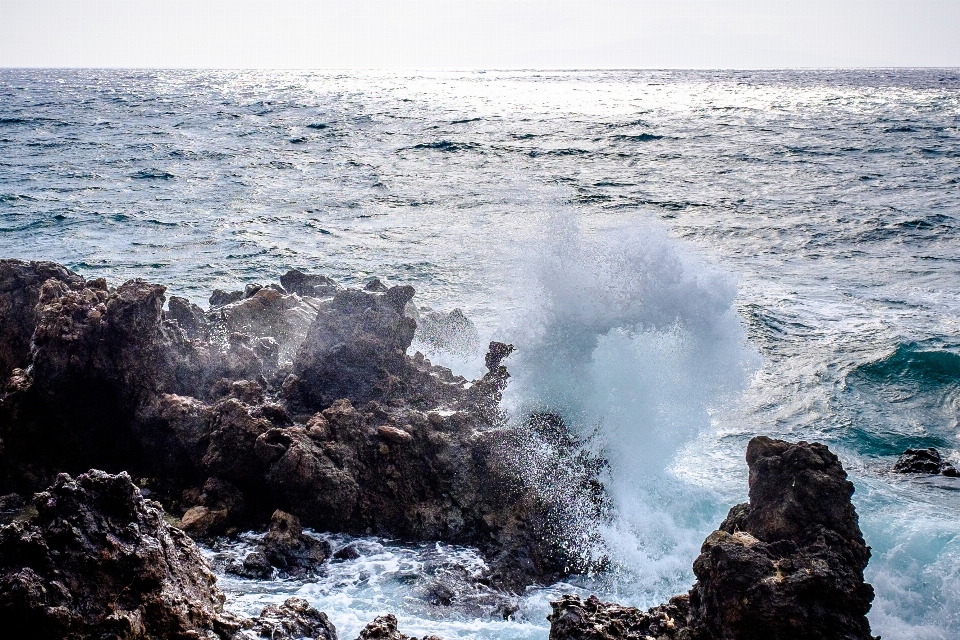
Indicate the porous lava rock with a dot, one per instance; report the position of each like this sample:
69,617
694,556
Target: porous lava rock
574,618
295,619
385,628
925,461
288,548
787,565
99,561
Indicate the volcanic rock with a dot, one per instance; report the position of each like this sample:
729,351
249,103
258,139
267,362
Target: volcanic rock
314,286
189,317
99,561
20,284
286,546
385,628
924,461
787,565
351,435
292,620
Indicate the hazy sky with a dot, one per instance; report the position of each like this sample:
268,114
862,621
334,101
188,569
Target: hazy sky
479,33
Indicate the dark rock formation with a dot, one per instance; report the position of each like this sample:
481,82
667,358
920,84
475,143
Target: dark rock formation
787,565
385,628
314,286
356,348
99,561
20,284
276,401
220,298
926,461
287,548
292,620
576,619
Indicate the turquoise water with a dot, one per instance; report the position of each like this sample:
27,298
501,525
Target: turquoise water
686,259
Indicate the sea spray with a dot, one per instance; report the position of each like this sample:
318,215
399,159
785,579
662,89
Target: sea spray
629,336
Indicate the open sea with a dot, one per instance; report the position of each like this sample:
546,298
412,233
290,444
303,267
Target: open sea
684,259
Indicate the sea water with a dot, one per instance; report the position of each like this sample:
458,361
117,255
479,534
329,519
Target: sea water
683,259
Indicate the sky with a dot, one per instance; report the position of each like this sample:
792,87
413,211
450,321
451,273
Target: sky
471,34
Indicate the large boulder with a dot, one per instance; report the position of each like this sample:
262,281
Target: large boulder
787,565
99,561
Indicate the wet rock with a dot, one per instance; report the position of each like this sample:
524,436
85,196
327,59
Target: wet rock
189,317
574,618
788,564
292,620
314,286
220,298
99,561
376,285
255,565
267,314
385,628
286,546
97,359
925,461
20,284
348,552
353,435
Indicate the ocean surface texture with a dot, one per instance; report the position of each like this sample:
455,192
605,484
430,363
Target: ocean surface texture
684,259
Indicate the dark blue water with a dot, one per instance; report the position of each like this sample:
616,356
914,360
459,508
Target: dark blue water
689,258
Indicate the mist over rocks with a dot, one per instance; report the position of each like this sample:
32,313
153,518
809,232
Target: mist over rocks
275,400
787,565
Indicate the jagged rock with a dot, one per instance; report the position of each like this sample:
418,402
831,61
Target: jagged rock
576,619
925,461
220,298
353,436
356,349
267,314
787,565
99,561
20,284
202,522
189,317
385,628
376,285
97,359
314,286
286,546
292,620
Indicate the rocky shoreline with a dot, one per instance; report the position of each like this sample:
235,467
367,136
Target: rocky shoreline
297,405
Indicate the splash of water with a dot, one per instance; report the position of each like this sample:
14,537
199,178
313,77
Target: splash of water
627,333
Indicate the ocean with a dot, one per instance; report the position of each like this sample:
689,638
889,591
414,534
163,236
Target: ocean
684,259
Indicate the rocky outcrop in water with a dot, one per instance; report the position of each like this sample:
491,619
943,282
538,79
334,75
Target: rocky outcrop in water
295,619
925,461
385,628
275,399
787,565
